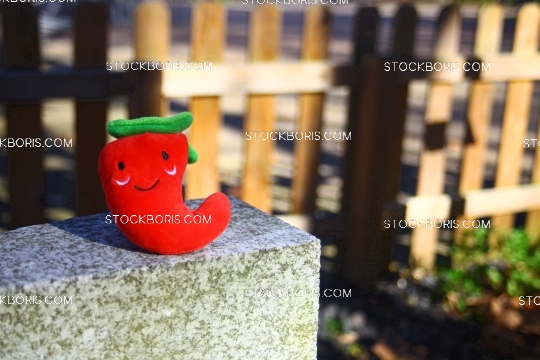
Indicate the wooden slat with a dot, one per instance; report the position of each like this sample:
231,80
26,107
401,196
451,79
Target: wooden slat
532,224
208,38
90,27
516,112
152,37
307,153
429,207
254,78
58,82
394,106
404,32
279,78
360,255
25,166
478,203
364,38
223,79
487,42
264,34
432,164
506,67
321,76
392,123
482,203
365,33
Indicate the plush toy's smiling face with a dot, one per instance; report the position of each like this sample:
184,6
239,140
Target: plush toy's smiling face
142,164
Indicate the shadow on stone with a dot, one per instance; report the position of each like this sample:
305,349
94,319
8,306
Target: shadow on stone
95,229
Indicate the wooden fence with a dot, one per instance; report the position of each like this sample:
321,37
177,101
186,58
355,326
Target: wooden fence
377,110
519,69
24,85
259,79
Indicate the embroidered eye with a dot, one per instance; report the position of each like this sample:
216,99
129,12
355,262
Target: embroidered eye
165,155
121,165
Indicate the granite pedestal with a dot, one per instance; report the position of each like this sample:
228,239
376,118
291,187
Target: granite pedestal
78,289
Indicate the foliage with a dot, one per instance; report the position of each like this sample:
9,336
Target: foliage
336,328
486,264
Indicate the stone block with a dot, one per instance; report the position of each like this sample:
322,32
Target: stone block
78,289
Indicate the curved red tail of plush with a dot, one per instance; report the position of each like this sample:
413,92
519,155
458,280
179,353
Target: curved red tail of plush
182,232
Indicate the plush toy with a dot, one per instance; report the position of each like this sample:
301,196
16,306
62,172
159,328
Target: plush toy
141,174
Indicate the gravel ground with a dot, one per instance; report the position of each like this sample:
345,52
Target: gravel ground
404,317
385,324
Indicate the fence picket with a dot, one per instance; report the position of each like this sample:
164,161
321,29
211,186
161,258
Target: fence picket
393,115
364,39
532,223
432,165
516,111
90,28
25,165
264,34
307,153
208,38
152,37
487,42
359,254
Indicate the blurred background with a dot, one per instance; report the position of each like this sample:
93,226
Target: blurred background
423,145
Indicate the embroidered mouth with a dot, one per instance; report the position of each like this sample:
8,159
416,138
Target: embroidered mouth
146,189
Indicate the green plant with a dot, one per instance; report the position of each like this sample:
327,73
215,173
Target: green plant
335,327
342,340
482,268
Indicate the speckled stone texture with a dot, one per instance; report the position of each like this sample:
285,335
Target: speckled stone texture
250,294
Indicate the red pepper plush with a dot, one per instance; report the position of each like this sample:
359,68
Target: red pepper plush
141,174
